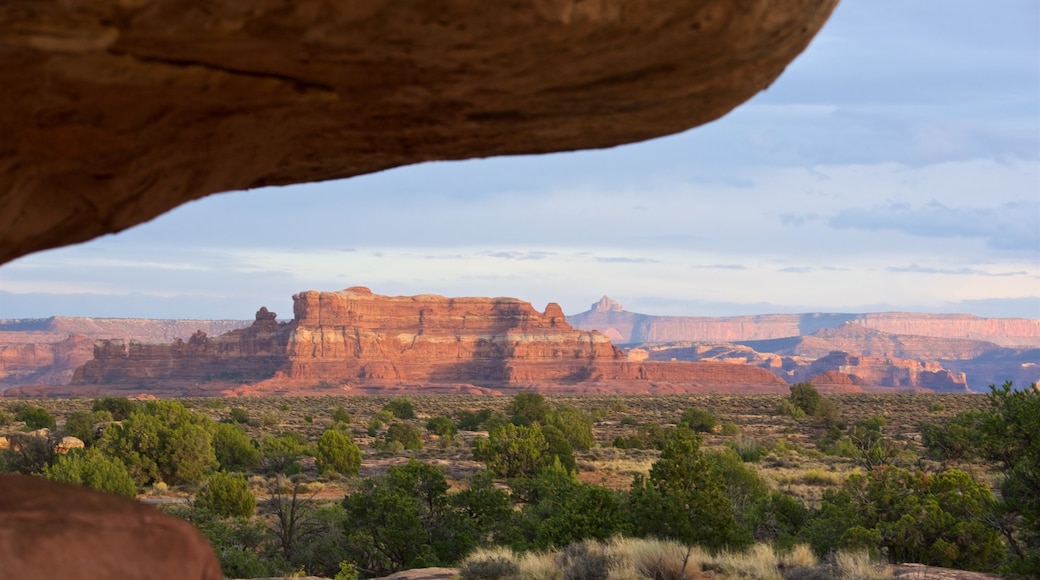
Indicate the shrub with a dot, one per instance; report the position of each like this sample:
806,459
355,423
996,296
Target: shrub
400,408
336,452
340,415
409,436
472,421
35,418
575,425
234,450
226,495
92,469
442,426
238,415
748,448
699,420
490,564
120,407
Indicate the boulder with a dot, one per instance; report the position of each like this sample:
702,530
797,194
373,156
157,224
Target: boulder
54,530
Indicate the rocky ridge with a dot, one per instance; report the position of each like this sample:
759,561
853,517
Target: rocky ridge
357,341
844,351
46,351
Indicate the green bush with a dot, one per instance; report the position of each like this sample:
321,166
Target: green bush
91,468
528,408
238,415
804,396
409,436
340,415
443,427
119,407
472,421
336,452
226,495
234,450
35,418
699,420
400,408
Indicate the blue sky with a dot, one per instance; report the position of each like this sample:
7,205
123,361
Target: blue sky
895,165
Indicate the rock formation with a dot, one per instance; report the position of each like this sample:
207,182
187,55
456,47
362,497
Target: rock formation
360,340
55,530
633,328
116,112
47,351
248,354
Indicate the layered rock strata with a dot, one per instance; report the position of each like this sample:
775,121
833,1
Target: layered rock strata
47,351
354,338
625,327
248,354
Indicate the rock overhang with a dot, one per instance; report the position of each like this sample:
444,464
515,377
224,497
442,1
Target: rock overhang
117,112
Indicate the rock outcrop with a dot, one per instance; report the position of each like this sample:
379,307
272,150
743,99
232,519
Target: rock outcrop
248,354
56,530
47,351
359,340
116,112
633,328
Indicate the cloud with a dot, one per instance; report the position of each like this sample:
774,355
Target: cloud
719,266
916,269
513,255
1009,226
626,260
796,270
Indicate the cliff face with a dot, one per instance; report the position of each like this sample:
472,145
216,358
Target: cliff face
359,339
252,353
355,334
631,327
47,351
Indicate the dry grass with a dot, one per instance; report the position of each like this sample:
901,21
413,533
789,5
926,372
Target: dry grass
650,559
859,566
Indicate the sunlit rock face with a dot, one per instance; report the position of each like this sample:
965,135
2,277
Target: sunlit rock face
354,339
115,112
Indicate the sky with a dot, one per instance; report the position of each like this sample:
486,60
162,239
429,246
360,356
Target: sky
894,166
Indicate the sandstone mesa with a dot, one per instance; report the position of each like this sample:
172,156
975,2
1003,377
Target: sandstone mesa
356,341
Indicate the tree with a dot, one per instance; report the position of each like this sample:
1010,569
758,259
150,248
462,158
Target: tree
409,436
91,468
804,396
528,408
514,451
684,497
80,424
296,524
162,441
234,450
336,452
404,520
934,519
226,495
576,426
1010,434
279,453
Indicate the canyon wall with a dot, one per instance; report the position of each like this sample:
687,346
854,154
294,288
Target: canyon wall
247,354
356,339
625,327
47,351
